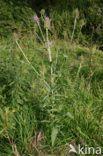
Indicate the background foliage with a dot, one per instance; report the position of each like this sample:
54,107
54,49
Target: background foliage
14,16
17,16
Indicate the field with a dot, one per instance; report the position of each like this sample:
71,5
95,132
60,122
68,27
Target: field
45,106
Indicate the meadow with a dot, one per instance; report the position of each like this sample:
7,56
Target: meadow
37,118
51,93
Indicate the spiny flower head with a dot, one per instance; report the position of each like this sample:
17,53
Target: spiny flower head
76,13
47,23
81,59
82,23
49,43
36,18
15,36
42,12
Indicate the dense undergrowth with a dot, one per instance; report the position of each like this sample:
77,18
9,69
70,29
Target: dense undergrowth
33,121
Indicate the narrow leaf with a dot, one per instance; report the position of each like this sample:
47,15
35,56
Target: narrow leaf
54,135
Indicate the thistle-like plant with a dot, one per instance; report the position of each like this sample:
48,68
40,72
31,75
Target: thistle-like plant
45,40
49,84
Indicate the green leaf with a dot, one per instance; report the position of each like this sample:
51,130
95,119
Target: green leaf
54,135
70,115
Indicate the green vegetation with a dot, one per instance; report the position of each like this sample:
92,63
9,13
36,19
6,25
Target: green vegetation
17,17
74,115
51,78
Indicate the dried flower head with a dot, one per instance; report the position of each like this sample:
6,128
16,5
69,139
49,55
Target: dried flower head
15,36
36,18
81,59
47,23
76,13
82,23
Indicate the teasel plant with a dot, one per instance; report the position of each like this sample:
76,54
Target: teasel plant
44,38
48,44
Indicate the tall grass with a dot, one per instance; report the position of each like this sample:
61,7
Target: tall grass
36,119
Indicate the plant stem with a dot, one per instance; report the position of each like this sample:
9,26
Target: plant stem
78,71
75,21
50,57
41,31
51,68
49,50
38,37
27,58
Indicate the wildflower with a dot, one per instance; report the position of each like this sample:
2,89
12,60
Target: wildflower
47,23
36,18
49,43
